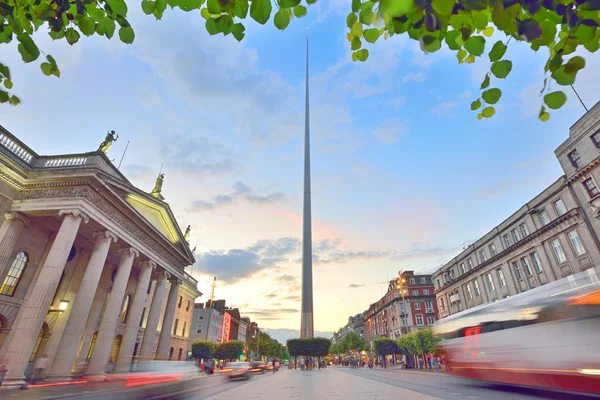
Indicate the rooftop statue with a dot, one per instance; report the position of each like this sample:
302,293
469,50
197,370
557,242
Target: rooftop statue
187,233
111,136
158,187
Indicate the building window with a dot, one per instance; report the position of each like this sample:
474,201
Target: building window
524,229
576,242
506,241
517,270
423,281
180,301
14,274
183,330
171,353
462,268
425,292
596,139
125,308
180,353
115,349
559,205
36,347
536,262
419,319
428,305
202,317
438,283
105,301
92,344
490,283
515,235
417,305
198,329
415,292
591,188
558,251
544,217
187,307
401,307
482,255
476,287
575,159
469,294
525,263
501,279
442,303
430,320
175,326
492,249
143,315
470,262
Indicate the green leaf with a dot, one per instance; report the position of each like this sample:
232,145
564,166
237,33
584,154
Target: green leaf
28,49
107,26
442,7
205,13
543,116
355,5
299,11
394,8
488,112
72,36
480,19
562,77
357,29
148,6
470,59
173,3
475,105
355,43
486,82
8,84
161,6
260,11
366,16
351,19
451,40
371,35
237,30
475,45
224,23
288,3
46,69
309,2
282,18
429,44
498,50
362,55
574,64
4,70
556,62
501,69
530,29
240,9
126,34
492,96
119,7
555,100
461,54
14,100
214,7
87,26
211,27
488,32
3,96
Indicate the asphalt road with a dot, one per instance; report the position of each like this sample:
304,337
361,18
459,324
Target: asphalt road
445,386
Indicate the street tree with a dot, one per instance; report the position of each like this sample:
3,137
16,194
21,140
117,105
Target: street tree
385,346
203,349
466,27
230,350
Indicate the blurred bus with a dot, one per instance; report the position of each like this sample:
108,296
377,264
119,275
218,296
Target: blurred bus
546,337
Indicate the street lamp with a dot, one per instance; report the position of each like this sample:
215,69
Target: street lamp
400,284
62,307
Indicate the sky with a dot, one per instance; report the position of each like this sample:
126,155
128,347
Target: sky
403,173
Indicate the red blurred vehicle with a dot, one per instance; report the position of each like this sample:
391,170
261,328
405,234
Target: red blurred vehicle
545,337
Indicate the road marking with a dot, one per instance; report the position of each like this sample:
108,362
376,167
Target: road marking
473,397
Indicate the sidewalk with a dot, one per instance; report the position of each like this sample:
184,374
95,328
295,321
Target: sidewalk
318,384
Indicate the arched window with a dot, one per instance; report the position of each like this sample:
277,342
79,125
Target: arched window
125,308
14,274
92,344
105,301
115,348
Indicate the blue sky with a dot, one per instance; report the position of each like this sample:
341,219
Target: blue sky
403,172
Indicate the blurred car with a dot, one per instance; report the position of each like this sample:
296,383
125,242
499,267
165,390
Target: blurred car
270,367
237,370
258,367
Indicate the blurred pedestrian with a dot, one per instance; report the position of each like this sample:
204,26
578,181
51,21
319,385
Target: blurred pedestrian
436,364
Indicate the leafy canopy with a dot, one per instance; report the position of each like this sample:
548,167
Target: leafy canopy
464,26
203,349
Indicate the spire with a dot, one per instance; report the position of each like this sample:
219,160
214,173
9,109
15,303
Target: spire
306,322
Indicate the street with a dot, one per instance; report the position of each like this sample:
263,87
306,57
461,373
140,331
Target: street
330,383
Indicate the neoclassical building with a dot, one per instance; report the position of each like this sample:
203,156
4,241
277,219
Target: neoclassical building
91,267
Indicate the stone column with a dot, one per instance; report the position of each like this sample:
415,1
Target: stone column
165,332
11,229
133,318
154,315
106,333
80,308
27,328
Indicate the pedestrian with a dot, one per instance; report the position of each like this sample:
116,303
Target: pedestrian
41,366
302,364
436,364
273,361
430,362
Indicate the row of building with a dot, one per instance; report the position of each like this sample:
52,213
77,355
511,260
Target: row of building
408,305
215,322
92,269
551,237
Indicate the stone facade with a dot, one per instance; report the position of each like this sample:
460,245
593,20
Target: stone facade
79,248
551,237
355,324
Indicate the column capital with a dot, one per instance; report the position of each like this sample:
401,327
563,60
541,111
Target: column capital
130,250
175,280
149,263
75,213
165,273
18,216
107,234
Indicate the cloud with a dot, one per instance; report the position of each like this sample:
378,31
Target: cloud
354,285
235,264
414,77
271,295
282,335
287,278
389,132
445,109
240,192
270,312
397,102
150,98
